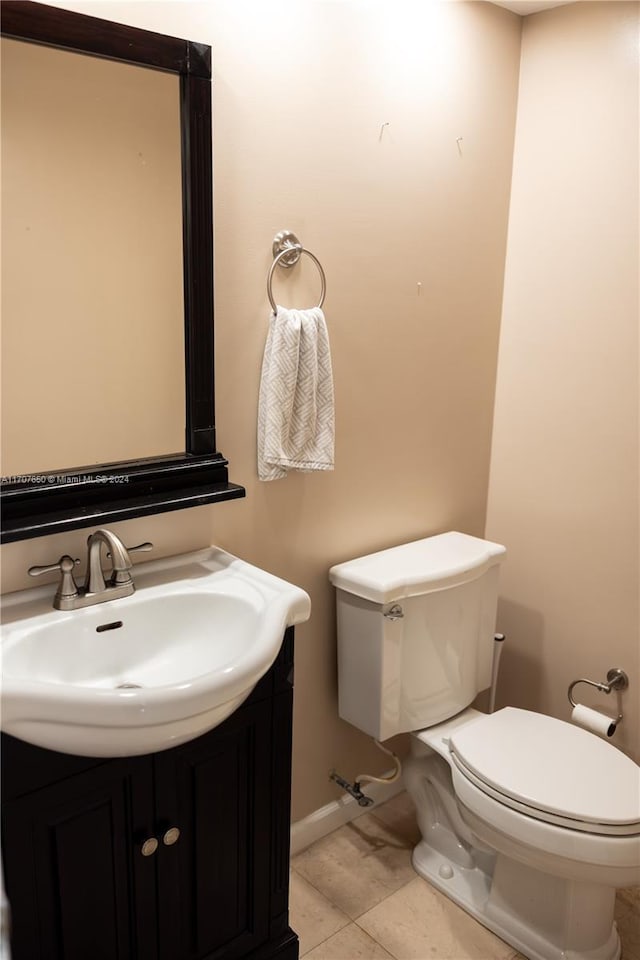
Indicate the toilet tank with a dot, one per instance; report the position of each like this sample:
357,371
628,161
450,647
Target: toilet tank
415,631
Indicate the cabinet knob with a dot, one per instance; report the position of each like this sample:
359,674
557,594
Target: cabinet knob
171,836
149,847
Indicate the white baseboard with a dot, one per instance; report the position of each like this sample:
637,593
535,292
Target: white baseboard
328,818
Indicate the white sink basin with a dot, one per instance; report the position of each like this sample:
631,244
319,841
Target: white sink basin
145,672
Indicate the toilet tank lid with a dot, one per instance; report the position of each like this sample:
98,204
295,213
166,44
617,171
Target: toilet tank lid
423,566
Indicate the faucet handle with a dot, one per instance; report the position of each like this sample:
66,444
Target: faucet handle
123,576
68,586
139,548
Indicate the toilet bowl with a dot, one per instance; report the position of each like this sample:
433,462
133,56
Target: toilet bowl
527,822
530,824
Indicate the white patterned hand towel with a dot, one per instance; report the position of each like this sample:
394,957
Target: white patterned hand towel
296,425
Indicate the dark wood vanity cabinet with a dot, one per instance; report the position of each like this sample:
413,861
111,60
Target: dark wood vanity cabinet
216,886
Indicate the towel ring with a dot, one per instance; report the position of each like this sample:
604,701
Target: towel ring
289,250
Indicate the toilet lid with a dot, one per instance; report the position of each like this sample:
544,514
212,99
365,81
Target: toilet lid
551,769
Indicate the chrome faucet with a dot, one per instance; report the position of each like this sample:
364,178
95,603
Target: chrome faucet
95,590
120,562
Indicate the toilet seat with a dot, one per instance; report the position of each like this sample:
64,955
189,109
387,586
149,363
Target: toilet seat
551,848
550,770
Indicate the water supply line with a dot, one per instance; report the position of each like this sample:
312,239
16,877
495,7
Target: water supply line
354,789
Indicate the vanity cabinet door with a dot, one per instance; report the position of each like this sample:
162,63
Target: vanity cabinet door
73,866
214,880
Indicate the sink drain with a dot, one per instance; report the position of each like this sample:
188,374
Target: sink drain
127,685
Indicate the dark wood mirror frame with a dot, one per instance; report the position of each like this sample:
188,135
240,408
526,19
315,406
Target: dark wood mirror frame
92,495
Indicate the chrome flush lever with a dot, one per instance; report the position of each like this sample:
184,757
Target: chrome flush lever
395,612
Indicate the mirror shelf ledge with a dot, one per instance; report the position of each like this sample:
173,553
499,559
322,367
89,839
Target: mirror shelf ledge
88,496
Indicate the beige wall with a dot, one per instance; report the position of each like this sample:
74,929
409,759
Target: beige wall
301,91
411,230
92,301
564,474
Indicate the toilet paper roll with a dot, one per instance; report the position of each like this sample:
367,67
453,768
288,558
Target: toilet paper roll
593,720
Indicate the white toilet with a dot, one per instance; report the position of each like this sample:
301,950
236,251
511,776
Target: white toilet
527,822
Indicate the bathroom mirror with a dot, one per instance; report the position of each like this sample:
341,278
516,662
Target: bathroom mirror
92,304
142,103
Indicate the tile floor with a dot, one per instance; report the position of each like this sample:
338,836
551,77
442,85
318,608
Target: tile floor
356,896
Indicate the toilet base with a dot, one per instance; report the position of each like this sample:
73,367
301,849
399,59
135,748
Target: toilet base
529,910
544,916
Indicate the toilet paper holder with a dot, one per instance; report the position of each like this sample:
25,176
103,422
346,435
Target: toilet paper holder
617,680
